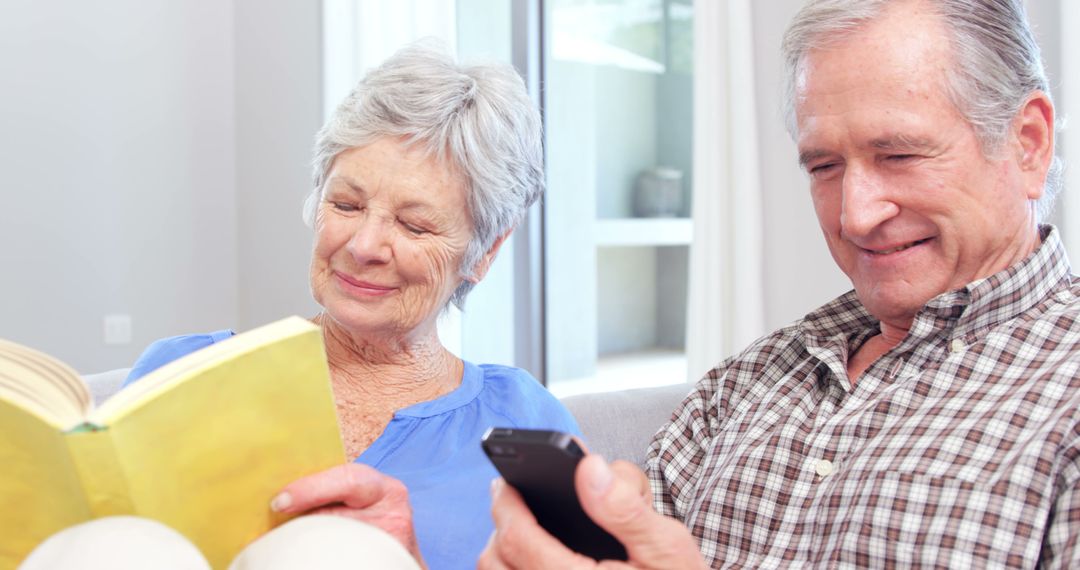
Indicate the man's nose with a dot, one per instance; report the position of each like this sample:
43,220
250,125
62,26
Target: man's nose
370,241
867,202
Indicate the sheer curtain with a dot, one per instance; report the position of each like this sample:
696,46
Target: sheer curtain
725,304
358,35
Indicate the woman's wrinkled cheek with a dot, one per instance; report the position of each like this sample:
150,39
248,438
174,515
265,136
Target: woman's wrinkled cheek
317,275
438,268
432,262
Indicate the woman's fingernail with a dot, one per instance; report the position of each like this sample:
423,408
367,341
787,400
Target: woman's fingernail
496,485
281,502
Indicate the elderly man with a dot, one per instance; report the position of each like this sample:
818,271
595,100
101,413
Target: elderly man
931,417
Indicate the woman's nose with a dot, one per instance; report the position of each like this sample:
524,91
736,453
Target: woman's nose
370,241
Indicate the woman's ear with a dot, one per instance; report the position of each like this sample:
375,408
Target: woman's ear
1035,135
484,264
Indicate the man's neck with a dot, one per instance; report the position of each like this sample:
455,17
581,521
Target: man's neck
874,348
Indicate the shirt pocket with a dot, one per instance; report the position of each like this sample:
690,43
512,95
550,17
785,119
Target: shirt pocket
901,520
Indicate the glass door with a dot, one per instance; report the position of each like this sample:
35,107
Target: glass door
618,111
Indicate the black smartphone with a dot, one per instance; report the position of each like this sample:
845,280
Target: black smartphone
540,464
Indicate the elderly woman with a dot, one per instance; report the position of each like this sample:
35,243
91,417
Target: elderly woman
420,175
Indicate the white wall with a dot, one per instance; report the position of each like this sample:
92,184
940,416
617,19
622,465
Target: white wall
800,274
154,163
278,111
117,120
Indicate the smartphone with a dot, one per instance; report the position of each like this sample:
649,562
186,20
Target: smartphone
540,464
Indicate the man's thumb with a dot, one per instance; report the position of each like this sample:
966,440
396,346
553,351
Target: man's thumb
618,500
617,497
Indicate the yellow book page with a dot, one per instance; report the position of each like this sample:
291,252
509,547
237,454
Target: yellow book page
162,379
40,493
37,380
208,454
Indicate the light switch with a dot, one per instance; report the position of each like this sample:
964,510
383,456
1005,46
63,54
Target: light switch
117,329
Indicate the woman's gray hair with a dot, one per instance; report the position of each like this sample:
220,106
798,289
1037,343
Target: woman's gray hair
997,63
477,119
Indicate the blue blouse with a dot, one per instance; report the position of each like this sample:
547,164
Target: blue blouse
434,447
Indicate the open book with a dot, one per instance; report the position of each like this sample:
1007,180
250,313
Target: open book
202,444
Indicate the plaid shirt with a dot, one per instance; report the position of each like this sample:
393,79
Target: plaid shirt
959,448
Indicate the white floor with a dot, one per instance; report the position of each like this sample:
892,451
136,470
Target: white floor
627,371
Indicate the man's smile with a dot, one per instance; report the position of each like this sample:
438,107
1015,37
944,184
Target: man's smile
902,247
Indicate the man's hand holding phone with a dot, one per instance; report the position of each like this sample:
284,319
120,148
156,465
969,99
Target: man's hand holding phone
615,496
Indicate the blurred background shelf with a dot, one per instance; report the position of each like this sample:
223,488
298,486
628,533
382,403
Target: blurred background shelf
626,371
643,231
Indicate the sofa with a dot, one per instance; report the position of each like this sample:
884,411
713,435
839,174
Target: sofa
617,425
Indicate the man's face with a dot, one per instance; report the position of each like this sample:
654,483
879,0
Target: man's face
909,205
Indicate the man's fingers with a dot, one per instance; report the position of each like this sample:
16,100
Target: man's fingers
354,485
489,558
617,497
612,496
636,477
519,541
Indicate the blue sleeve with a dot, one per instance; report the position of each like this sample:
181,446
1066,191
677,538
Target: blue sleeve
559,418
166,350
525,403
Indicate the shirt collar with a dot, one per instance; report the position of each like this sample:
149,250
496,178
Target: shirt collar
1017,289
472,382
978,306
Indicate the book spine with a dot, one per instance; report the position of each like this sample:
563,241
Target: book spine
103,479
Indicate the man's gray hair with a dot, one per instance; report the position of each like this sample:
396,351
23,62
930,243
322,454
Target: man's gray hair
997,63
476,119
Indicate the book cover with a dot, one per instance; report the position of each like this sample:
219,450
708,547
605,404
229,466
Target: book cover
201,444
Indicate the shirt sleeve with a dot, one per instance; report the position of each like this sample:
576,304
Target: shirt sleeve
563,420
550,413
678,450
166,350
521,401
1061,541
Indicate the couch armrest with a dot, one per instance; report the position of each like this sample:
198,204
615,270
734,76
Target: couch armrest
620,425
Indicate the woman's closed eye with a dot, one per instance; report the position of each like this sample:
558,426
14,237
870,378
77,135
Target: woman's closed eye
344,206
413,227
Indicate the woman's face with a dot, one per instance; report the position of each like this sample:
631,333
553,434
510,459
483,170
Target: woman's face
390,234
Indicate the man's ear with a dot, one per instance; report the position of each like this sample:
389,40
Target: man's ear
1034,131
484,264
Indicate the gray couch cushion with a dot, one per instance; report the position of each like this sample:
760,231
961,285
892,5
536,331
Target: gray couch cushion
104,384
619,425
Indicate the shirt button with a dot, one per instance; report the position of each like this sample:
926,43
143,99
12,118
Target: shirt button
823,468
956,345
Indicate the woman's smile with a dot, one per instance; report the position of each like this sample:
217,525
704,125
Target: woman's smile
361,288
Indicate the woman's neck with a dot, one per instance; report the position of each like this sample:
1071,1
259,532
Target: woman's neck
395,372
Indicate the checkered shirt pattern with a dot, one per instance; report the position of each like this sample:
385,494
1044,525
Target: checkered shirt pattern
959,448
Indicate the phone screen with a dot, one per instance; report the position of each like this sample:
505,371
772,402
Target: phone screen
540,464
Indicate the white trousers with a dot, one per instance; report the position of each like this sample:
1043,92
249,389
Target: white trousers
130,543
